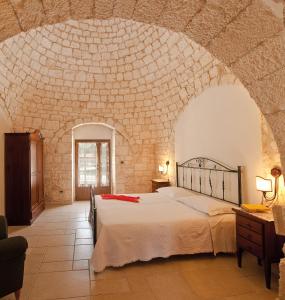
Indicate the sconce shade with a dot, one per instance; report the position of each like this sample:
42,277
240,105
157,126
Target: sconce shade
161,168
263,185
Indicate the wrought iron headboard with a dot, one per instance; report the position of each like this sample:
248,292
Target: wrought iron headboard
209,177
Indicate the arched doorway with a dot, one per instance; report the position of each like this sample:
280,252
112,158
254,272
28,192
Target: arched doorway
93,148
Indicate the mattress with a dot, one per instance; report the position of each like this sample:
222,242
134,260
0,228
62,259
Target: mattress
157,226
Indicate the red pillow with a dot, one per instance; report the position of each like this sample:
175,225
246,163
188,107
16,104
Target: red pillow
134,199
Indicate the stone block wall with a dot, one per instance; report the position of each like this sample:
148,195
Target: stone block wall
132,76
247,36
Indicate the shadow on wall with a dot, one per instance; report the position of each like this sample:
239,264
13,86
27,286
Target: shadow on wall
5,126
224,124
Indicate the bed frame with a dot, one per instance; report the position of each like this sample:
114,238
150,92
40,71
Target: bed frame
93,215
211,178
200,174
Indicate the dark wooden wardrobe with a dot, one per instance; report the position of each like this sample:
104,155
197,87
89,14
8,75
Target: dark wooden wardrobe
24,191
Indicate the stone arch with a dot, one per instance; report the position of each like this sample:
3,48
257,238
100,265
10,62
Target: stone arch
244,35
58,158
68,126
4,109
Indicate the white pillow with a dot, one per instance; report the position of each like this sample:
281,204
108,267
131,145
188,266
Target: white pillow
174,191
207,205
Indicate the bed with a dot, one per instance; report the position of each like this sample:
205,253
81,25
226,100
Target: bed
176,220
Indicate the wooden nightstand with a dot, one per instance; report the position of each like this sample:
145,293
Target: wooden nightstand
158,183
255,233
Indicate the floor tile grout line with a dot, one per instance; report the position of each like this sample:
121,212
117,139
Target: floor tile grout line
74,249
248,273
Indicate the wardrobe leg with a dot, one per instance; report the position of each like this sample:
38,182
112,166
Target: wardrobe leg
18,294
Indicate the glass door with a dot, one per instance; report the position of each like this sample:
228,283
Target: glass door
92,167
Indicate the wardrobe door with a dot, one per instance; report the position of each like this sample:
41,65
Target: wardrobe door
36,148
34,183
40,172
17,179
23,177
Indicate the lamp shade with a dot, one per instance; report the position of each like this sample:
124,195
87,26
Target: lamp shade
161,168
263,185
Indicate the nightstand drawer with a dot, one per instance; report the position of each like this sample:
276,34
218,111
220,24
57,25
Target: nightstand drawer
159,183
250,235
255,233
249,224
250,246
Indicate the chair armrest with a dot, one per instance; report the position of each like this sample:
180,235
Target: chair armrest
12,247
3,228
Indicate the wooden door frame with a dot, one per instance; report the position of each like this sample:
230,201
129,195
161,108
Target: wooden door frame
108,141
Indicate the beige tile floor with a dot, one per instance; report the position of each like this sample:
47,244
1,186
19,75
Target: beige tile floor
57,267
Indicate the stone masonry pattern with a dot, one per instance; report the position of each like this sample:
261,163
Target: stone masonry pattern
133,65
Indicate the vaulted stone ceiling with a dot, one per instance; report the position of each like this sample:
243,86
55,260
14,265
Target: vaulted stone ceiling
245,35
137,74
134,76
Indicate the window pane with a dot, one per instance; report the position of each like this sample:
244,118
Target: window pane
105,164
87,164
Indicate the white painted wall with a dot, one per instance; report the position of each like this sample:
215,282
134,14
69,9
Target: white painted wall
5,126
223,123
94,132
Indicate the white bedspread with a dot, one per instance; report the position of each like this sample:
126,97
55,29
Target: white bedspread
156,227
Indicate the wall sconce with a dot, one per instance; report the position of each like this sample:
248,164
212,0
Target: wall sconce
265,185
163,169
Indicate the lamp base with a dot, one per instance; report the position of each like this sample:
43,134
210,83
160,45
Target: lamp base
269,203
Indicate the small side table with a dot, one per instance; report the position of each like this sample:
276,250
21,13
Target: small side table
255,233
158,183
